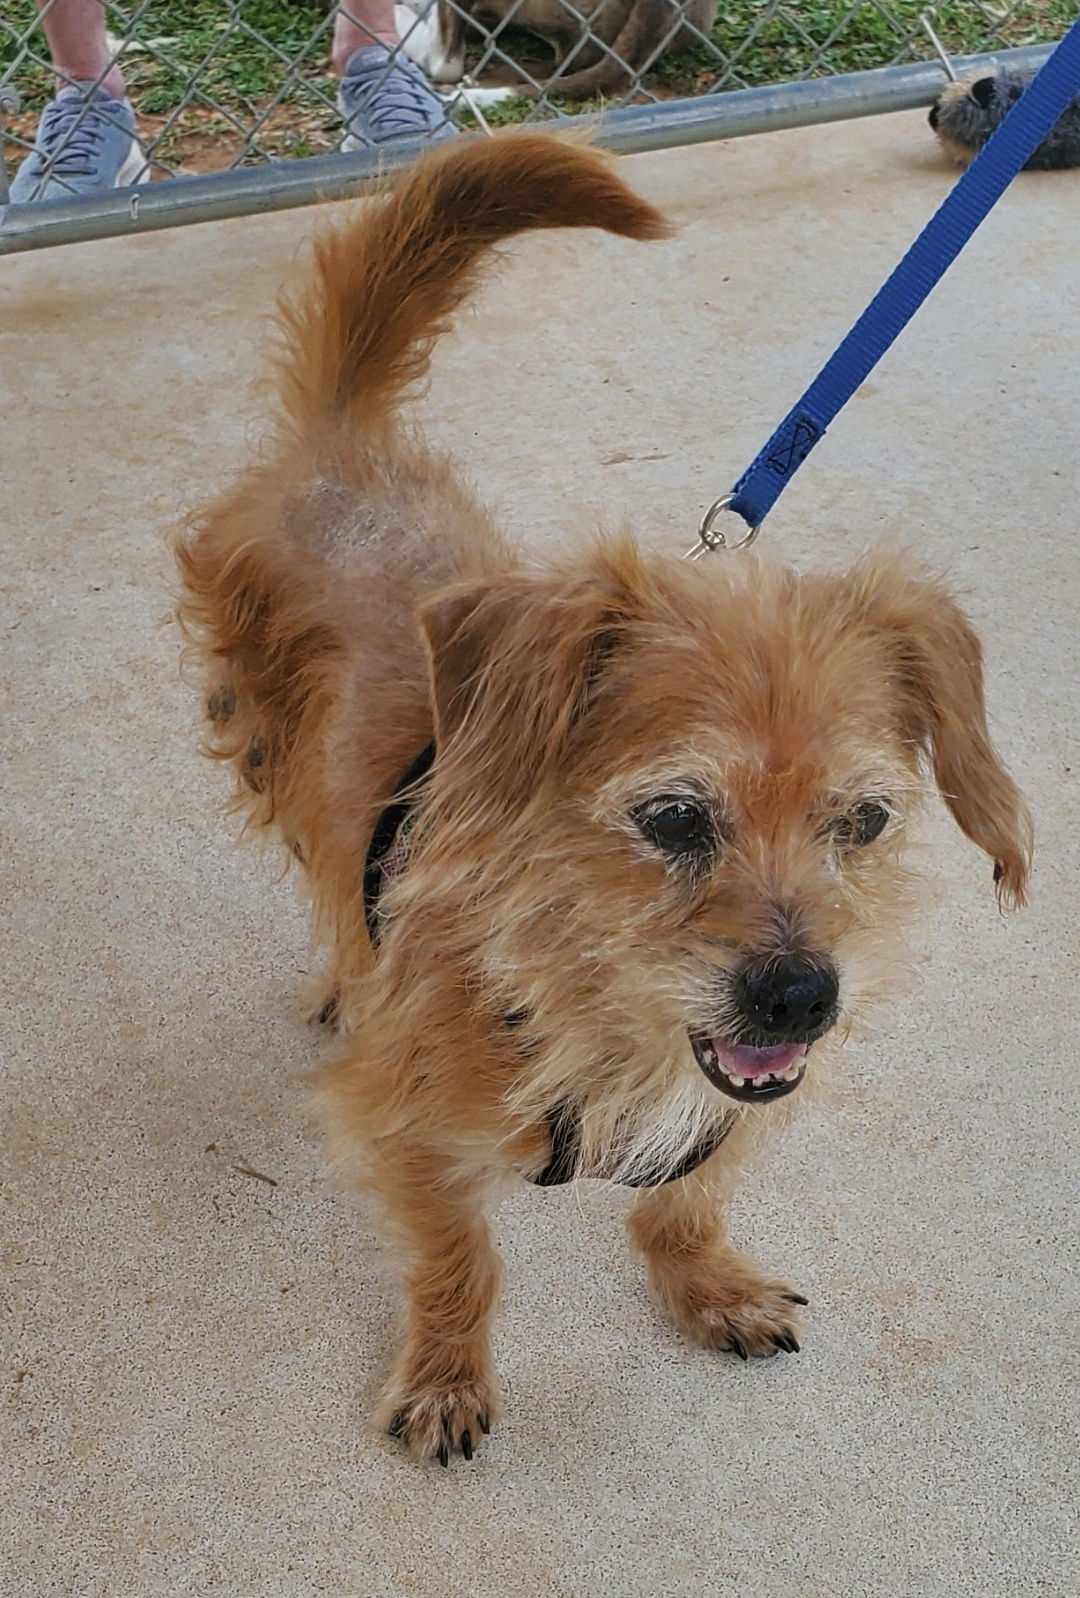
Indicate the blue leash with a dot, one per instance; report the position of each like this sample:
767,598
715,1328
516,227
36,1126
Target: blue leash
889,312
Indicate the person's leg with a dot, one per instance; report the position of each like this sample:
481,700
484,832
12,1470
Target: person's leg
383,96
79,45
85,141
358,23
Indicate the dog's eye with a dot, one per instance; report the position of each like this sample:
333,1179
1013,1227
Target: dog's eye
862,825
677,826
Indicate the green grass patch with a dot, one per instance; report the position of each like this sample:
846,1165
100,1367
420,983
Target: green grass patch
236,49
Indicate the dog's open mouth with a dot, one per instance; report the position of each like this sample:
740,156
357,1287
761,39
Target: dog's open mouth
751,1075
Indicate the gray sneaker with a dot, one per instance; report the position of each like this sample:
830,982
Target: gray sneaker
85,144
384,99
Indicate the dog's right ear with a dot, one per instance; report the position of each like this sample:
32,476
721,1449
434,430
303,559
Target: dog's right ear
937,672
512,662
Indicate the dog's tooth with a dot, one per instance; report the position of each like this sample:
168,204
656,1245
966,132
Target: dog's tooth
791,1073
736,1081
763,1079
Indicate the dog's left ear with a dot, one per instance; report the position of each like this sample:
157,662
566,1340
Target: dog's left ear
513,659
937,658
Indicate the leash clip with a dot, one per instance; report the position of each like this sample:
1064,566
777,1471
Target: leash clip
709,535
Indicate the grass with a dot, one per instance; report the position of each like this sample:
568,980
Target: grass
266,61
767,44
174,38
260,62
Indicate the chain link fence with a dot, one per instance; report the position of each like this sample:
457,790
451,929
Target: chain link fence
231,84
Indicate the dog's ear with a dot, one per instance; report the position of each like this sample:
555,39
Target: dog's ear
513,659
982,92
937,660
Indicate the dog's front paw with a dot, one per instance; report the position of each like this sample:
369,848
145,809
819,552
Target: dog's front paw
725,1302
437,1422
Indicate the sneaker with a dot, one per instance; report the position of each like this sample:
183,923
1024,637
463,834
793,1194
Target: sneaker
85,144
384,98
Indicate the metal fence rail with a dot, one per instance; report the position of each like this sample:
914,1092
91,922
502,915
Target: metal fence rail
226,90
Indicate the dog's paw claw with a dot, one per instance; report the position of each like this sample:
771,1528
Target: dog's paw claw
757,1320
725,1303
328,1013
435,1425
221,703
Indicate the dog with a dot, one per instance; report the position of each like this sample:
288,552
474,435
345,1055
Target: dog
607,850
599,46
968,111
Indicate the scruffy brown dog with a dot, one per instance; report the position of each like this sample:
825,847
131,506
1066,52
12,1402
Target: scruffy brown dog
644,871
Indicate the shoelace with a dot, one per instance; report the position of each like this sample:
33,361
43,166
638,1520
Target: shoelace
393,101
68,145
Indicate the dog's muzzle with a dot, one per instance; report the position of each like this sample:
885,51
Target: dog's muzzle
782,1004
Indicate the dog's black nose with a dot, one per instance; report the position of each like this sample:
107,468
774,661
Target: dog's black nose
788,998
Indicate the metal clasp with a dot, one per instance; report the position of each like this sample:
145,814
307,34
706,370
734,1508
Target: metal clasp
709,535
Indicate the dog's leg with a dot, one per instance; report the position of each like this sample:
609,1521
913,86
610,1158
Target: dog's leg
715,1293
442,1397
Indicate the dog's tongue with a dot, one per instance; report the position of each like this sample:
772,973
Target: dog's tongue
739,1059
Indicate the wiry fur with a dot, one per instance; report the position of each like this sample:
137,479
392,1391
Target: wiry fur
967,112
351,601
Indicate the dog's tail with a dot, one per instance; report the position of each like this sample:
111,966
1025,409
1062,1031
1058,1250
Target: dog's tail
386,284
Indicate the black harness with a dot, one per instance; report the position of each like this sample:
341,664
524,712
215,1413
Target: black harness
385,859
390,830
564,1125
